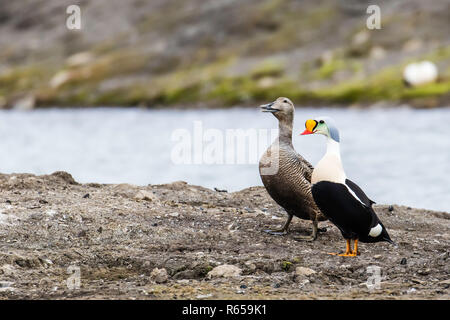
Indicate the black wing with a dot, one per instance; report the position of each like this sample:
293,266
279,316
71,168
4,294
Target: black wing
359,193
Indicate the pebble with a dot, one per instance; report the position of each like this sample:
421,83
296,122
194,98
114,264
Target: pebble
204,296
50,212
183,281
424,272
146,195
225,271
6,285
159,275
302,271
7,270
403,261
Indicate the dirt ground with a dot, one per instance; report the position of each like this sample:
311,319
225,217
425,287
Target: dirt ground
64,240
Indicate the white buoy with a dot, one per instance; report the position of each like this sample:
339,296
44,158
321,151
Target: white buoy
416,74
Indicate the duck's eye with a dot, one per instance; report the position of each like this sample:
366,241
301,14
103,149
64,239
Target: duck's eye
321,121
285,101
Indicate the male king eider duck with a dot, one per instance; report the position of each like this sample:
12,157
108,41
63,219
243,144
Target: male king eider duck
286,174
341,200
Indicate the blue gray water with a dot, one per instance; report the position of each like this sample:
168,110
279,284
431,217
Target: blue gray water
399,156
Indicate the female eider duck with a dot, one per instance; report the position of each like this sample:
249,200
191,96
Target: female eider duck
286,174
340,199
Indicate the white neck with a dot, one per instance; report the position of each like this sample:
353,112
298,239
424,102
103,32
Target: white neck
333,147
330,167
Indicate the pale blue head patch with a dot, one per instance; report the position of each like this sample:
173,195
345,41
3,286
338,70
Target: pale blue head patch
334,132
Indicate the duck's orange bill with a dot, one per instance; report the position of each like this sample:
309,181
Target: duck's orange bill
310,125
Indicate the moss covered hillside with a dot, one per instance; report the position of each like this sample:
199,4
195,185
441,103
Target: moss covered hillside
218,53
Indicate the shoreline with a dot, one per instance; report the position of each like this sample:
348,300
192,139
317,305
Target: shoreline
164,241
212,106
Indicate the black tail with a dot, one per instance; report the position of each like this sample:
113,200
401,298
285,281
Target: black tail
388,239
385,237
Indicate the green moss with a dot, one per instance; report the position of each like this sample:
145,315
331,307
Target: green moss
228,90
327,70
425,91
268,68
189,93
286,265
440,54
297,259
211,82
22,79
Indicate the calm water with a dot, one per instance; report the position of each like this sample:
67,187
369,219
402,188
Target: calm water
397,156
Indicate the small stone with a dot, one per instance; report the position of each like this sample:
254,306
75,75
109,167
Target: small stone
391,208
412,290
146,196
183,281
6,285
243,286
174,214
304,282
302,271
86,196
403,261
225,271
204,296
377,256
7,270
159,275
79,59
424,272
277,285
51,212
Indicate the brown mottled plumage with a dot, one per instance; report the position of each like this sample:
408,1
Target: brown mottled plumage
286,174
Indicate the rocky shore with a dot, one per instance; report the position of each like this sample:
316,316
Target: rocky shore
65,240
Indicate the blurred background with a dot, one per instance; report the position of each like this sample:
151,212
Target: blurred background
156,66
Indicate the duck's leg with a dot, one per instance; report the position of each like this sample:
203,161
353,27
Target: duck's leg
313,235
348,250
283,231
355,251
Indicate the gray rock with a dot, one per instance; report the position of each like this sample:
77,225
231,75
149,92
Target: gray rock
146,196
159,275
302,271
225,271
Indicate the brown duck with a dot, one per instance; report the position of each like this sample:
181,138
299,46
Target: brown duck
286,174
